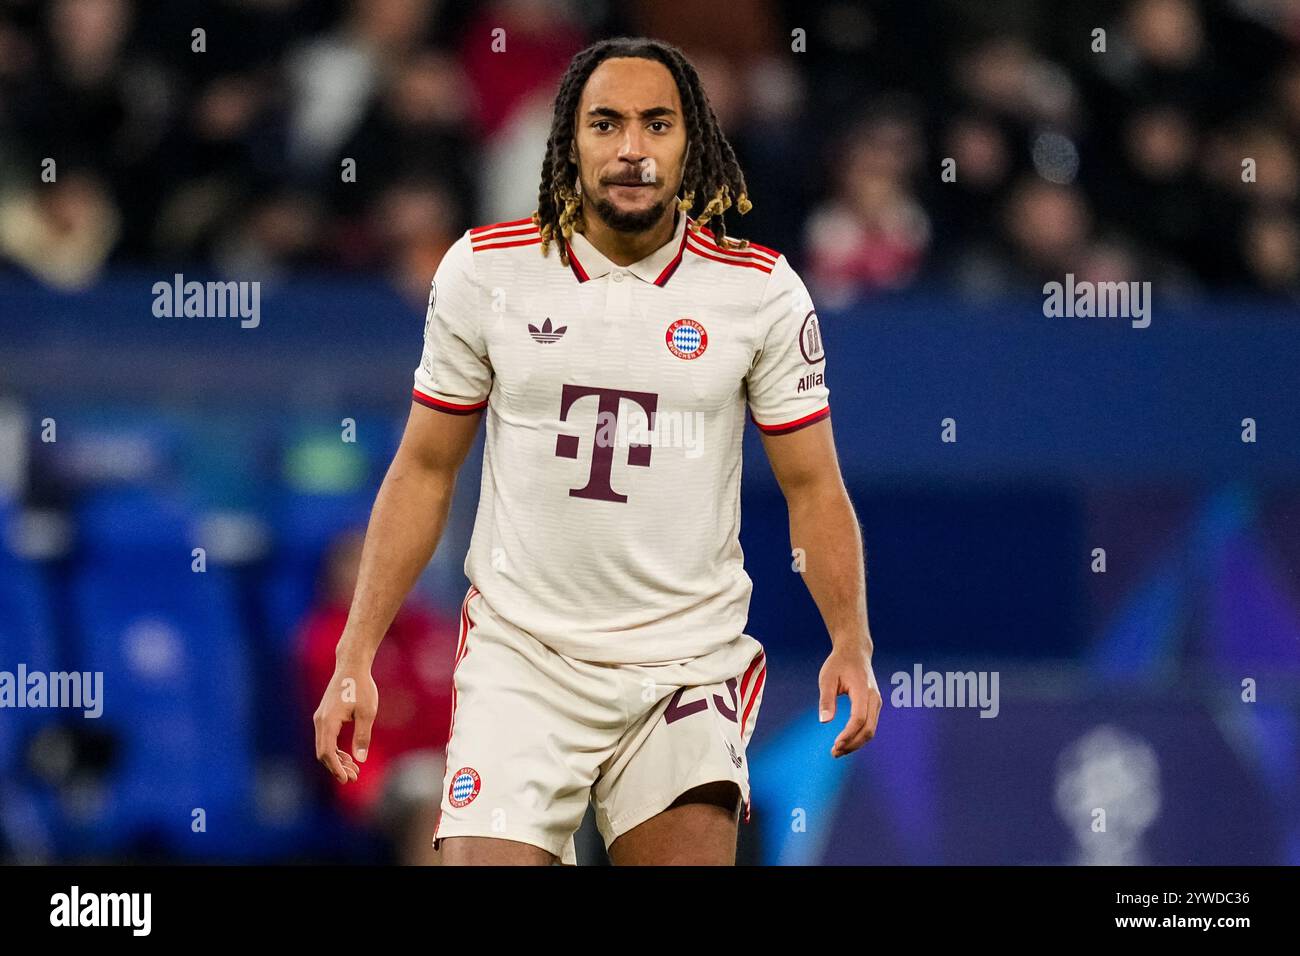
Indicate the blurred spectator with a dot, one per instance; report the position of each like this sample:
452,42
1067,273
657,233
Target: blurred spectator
514,53
417,127
1007,76
964,205
63,232
276,233
873,234
1272,251
512,50
1287,88
333,78
400,787
416,225
1048,226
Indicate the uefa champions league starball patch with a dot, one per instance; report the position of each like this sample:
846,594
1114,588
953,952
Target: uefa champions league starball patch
686,339
464,786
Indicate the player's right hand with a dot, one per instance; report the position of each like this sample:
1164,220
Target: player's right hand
352,695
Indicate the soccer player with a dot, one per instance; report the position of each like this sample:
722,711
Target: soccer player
612,341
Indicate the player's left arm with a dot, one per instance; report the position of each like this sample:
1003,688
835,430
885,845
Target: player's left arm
824,530
789,401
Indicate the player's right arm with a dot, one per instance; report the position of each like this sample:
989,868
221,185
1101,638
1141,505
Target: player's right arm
410,511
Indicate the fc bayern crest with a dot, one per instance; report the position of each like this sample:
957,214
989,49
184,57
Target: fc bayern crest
686,339
464,786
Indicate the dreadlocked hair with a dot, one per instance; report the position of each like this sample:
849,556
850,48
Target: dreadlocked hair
711,167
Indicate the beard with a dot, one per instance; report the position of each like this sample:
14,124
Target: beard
638,220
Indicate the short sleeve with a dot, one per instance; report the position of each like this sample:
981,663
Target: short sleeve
786,383
454,374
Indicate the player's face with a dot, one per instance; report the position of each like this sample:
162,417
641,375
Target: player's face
630,137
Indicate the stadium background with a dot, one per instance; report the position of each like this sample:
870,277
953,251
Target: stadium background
1120,690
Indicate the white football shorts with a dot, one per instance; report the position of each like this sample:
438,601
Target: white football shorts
536,735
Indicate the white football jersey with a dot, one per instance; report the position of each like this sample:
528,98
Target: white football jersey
609,514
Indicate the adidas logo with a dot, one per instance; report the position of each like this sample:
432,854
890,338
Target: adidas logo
735,758
546,334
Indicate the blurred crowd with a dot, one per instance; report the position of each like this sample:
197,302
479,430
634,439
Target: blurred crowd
987,147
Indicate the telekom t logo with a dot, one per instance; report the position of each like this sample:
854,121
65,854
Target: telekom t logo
602,453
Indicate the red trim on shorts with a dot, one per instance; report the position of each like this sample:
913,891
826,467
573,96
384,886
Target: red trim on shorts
462,648
749,672
758,685
754,665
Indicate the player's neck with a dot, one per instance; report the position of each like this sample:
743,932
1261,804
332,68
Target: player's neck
625,248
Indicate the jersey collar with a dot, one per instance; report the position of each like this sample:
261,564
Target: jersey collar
586,261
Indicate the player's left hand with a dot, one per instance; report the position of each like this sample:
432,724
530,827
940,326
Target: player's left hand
848,671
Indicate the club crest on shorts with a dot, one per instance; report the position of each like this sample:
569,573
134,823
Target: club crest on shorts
464,786
686,339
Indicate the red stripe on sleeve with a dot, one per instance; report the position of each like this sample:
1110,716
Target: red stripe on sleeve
810,419
449,407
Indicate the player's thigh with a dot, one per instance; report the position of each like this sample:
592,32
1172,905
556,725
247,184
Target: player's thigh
698,829
492,851
529,730
671,792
